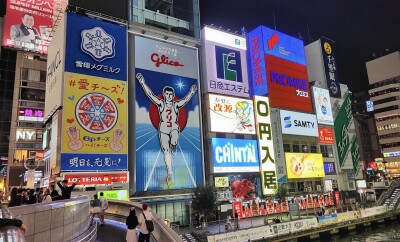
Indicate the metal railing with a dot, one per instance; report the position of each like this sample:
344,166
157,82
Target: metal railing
91,236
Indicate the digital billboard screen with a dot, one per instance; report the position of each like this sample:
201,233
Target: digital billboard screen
231,115
304,165
298,123
225,61
234,155
28,25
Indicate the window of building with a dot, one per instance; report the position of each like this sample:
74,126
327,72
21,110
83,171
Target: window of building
304,149
296,148
327,151
314,149
286,147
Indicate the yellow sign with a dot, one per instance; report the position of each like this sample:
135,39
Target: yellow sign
327,48
115,195
221,182
95,115
304,165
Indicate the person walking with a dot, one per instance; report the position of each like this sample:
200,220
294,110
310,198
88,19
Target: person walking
131,223
39,195
46,196
95,203
144,235
65,189
103,207
229,222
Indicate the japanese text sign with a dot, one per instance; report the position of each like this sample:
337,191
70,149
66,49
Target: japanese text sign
325,136
332,79
341,127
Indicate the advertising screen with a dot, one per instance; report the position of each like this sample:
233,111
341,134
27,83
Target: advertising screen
28,25
94,125
299,123
121,195
323,108
225,62
325,136
29,114
234,155
304,165
231,115
341,127
90,179
265,145
332,78
370,106
96,48
168,134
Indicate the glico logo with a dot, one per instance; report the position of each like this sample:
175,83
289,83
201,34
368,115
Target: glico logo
228,64
287,122
163,59
327,48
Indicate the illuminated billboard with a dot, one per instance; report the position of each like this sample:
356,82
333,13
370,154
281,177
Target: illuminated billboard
225,62
30,114
28,25
167,125
278,68
90,179
265,145
304,165
370,106
341,128
325,136
234,155
298,123
323,106
231,115
331,74
121,195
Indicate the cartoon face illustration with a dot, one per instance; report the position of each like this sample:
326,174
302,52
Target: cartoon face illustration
297,165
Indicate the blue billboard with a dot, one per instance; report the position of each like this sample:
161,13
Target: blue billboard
234,155
167,124
95,48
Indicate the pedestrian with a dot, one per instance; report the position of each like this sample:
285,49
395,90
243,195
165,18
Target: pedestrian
96,210
13,222
131,223
13,193
39,195
47,197
103,207
32,197
55,195
237,220
144,232
19,199
201,219
65,189
229,222
197,219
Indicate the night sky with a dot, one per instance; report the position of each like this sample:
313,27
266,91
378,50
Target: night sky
359,27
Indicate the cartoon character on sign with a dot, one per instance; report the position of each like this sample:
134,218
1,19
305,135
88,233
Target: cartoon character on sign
168,128
116,144
243,112
75,142
297,165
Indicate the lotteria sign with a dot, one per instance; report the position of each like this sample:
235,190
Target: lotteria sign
87,179
278,68
298,123
234,155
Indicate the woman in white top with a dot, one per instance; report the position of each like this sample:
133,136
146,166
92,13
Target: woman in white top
46,196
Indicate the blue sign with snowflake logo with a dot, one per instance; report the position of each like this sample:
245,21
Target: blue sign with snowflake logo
96,47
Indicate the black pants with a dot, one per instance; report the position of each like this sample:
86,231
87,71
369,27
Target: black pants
144,237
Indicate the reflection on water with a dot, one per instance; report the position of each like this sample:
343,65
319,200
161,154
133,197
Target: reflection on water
384,233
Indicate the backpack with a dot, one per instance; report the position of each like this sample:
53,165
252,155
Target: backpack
149,224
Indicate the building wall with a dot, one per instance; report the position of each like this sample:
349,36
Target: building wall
383,68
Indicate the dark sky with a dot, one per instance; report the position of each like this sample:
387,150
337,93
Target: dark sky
359,27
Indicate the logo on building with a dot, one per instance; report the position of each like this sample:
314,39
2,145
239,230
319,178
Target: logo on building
272,41
287,122
228,64
98,44
327,48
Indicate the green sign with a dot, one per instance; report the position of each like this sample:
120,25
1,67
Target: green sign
115,195
341,127
355,155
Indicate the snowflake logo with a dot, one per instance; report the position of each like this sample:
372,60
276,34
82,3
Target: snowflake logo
98,44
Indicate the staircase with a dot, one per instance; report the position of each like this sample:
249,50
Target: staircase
391,197
187,238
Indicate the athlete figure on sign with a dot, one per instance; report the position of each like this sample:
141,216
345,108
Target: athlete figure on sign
168,129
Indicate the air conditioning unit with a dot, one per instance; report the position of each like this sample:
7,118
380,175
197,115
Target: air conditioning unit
319,188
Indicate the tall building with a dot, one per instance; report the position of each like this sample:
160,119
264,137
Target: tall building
384,89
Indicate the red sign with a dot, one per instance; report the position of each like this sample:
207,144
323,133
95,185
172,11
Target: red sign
337,198
288,86
96,178
237,208
325,135
28,25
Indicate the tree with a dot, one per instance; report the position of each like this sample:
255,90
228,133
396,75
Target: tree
204,200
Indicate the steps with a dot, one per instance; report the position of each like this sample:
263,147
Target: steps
188,238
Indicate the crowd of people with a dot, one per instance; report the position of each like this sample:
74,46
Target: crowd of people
25,196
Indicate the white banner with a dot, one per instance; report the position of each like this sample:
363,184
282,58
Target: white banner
278,146
323,106
299,123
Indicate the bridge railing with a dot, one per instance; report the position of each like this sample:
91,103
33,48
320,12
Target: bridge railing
119,210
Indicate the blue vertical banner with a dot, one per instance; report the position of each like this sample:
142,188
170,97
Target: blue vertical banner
168,134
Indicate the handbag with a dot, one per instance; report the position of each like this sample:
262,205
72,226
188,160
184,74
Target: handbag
149,224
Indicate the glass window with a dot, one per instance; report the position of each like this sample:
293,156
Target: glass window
327,151
24,73
304,148
314,149
296,148
286,147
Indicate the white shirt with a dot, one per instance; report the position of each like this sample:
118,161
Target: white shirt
104,203
47,199
142,224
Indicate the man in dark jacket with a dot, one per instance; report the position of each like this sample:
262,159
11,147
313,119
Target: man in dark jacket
18,200
65,190
12,222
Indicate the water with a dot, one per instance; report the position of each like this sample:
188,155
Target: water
384,233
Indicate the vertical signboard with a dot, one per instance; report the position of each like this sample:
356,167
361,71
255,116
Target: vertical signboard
323,108
28,25
278,146
168,135
332,79
265,145
341,127
355,155
95,128
225,63
55,70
